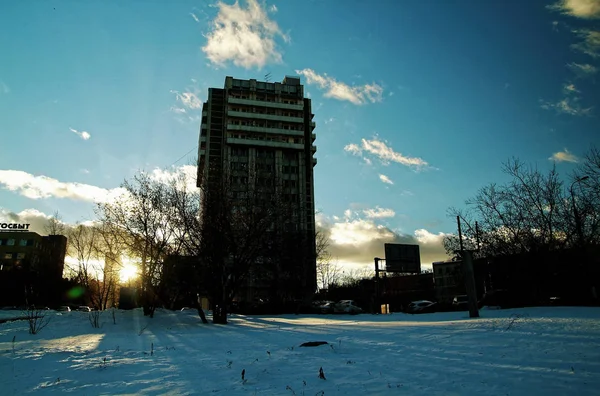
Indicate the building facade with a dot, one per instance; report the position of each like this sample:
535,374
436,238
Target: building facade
38,253
260,133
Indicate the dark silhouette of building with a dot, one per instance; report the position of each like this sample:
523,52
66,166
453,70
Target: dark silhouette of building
31,267
262,133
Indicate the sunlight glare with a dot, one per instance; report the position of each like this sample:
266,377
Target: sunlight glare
128,272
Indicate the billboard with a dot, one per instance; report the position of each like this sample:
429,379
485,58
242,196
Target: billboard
402,258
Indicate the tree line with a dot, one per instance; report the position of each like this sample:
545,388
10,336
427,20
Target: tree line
535,211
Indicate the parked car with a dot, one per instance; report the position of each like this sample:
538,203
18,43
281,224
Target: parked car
347,306
421,306
64,308
461,302
327,307
84,308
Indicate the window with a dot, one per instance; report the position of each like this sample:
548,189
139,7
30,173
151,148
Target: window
10,242
23,242
2,242
20,256
8,256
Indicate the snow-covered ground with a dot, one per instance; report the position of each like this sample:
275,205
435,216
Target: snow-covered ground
532,351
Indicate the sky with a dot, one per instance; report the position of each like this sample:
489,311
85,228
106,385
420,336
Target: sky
417,103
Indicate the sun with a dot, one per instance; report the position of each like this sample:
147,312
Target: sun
128,272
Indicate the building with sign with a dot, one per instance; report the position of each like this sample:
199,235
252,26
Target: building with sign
22,249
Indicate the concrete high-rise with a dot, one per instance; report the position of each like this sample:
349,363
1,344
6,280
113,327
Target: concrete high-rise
260,133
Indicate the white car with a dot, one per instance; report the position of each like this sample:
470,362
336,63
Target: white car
347,306
420,306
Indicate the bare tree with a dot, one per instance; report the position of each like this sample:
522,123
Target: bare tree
240,233
524,215
584,194
140,218
97,261
55,226
328,271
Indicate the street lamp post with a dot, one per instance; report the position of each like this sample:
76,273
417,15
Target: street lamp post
578,227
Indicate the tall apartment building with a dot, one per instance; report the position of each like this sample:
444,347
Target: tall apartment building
261,133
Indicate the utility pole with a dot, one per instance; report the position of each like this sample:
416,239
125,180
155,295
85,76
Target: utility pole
377,286
469,276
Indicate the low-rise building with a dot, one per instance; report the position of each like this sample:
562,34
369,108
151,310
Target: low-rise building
31,251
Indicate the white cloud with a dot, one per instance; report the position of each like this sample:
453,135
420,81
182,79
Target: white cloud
379,213
568,106
357,95
384,152
590,44
582,70
563,156
37,220
355,240
273,8
188,99
385,179
570,88
353,148
40,187
188,172
195,17
586,9
244,36
82,134
177,110
4,88
86,171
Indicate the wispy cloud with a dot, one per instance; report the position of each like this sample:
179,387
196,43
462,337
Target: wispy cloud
385,179
586,9
590,43
244,36
568,105
384,153
195,17
358,95
273,8
582,70
188,99
569,88
379,213
82,134
177,110
563,156
4,88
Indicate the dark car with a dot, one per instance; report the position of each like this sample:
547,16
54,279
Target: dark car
461,303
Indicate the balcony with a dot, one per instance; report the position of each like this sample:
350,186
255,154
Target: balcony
313,149
265,143
259,116
264,103
275,131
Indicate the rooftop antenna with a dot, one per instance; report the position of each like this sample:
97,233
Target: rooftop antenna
268,77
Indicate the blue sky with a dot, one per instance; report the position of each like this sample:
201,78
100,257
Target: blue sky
417,103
